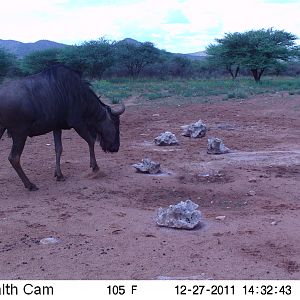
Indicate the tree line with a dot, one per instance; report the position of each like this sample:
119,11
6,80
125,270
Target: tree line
255,52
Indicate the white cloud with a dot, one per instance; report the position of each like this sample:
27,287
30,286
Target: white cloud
199,22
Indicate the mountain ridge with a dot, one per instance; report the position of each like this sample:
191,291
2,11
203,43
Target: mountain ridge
21,49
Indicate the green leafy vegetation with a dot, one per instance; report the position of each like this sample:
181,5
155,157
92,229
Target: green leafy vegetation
39,60
255,50
183,90
8,64
119,70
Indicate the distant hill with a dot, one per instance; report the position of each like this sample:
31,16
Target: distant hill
21,49
129,41
200,55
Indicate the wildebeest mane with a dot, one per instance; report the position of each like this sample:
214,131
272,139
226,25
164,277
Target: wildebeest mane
55,71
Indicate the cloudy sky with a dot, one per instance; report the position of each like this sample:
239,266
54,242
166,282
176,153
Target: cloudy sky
184,26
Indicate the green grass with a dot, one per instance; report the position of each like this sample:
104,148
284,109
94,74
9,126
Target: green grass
118,89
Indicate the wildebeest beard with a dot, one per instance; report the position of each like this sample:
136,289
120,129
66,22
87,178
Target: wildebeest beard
107,147
102,143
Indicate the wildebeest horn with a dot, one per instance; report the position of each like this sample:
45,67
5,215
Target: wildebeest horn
118,111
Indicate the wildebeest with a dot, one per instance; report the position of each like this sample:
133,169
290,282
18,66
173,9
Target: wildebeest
55,99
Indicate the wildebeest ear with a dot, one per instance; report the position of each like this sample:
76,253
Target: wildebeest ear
118,111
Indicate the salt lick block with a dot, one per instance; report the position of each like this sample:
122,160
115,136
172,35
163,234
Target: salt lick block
183,215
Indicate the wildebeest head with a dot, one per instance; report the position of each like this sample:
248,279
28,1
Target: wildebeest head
108,131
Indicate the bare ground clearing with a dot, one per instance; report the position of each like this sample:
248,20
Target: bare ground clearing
104,222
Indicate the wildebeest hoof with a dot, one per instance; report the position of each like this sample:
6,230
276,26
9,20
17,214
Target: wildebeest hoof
32,187
60,178
95,169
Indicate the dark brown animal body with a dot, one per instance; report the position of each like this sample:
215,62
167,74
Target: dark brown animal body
52,100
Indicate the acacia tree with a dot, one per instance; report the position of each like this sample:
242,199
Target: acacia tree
180,66
73,57
92,57
226,53
255,50
136,56
97,57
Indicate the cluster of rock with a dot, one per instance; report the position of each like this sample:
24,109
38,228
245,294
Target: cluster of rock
147,166
166,139
195,130
183,215
216,146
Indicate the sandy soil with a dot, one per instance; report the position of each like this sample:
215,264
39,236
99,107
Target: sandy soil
105,222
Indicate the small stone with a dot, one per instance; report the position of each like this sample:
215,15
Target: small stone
166,139
147,166
204,175
251,193
196,130
275,222
216,146
225,126
252,179
183,215
49,240
221,218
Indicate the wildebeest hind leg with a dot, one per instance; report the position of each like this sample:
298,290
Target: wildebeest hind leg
84,133
58,151
14,158
2,130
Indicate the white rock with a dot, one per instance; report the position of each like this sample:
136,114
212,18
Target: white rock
49,240
183,215
251,193
216,146
275,222
196,130
147,166
252,179
166,139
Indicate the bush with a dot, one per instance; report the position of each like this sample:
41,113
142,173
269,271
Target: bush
39,60
8,64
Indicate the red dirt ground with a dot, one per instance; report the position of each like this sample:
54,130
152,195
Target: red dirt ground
105,222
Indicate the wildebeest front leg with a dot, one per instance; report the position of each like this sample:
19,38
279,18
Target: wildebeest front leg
85,134
14,158
58,151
